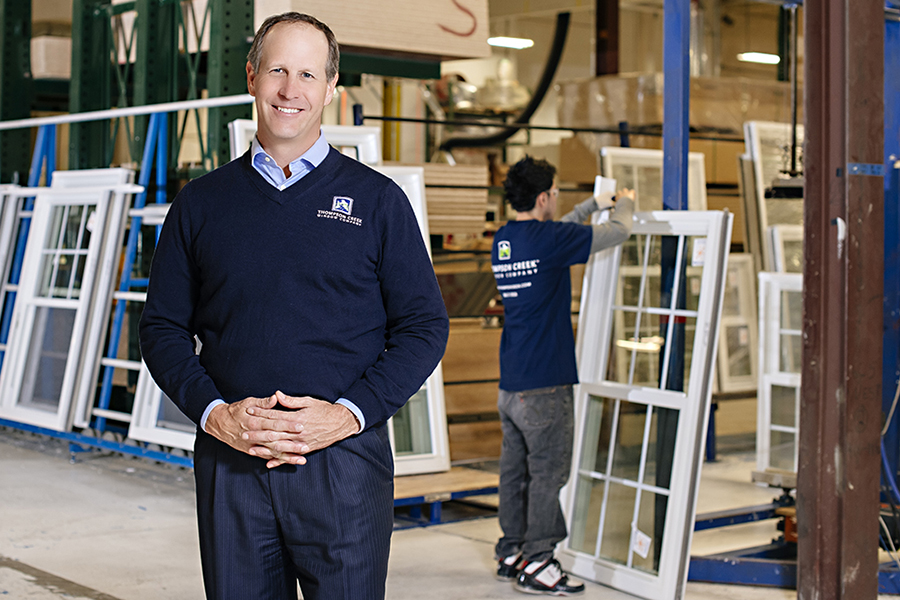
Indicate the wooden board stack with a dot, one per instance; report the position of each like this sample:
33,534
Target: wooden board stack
436,28
457,198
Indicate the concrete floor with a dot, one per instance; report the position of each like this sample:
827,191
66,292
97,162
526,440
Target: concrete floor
109,527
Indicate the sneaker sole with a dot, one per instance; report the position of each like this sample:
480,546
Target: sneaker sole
535,592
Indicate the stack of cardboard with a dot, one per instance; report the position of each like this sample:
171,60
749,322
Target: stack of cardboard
51,41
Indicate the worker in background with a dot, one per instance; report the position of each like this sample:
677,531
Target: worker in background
530,258
306,279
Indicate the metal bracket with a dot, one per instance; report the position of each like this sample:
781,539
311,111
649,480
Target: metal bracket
865,169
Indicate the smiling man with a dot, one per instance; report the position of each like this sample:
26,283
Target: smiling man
304,275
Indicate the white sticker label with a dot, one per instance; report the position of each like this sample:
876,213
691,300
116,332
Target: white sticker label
699,253
641,543
91,222
743,336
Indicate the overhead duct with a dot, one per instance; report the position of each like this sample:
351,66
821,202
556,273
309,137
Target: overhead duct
556,50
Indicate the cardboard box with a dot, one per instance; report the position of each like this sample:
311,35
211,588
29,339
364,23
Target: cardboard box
577,162
51,57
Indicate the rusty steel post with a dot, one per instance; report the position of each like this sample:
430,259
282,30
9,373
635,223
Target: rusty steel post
840,412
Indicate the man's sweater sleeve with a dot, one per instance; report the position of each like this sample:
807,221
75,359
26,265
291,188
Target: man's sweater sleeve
617,229
417,324
166,330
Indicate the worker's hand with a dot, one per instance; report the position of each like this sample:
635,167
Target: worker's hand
625,193
605,200
284,436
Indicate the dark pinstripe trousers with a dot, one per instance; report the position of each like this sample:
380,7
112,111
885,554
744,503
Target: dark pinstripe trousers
326,524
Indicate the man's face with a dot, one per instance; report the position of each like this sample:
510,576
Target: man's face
291,87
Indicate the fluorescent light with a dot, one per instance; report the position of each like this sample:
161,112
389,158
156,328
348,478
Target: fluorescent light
510,42
759,57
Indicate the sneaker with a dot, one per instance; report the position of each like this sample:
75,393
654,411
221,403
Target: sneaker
547,578
508,568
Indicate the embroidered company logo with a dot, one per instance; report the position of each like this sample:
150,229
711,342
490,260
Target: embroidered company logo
341,209
504,250
342,204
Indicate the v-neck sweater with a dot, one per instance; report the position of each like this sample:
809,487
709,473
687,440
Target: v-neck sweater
323,289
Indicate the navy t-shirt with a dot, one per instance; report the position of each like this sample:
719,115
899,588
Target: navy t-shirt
531,261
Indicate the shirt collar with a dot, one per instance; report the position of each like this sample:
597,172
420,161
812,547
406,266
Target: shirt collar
314,156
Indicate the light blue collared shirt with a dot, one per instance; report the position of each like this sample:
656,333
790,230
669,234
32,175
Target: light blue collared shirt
266,166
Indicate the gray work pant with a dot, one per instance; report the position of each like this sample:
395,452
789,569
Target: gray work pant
535,460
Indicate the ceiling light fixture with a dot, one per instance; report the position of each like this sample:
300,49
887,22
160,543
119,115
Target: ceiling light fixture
762,58
510,42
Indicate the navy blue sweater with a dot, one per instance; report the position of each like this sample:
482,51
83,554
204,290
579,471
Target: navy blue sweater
324,289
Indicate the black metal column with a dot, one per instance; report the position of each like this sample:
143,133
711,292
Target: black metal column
15,87
231,30
91,84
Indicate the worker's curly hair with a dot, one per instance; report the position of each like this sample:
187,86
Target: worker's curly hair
526,180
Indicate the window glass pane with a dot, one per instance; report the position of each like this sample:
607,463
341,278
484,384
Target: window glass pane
791,349
649,188
781,450
661,447
598,433
48,352
412,431
74,227
47,263
80,262
586,515
617,523
793,256
624,176
629,440
737,340
170,417
784,405
64,265
651,523
791,310
57,219
731,301
644,348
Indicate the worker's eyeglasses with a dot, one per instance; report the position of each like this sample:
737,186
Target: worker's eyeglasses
553,192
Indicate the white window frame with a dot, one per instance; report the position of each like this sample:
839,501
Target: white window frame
764,141
771,286
11,214
778,237
151,215
612,157
740,277
28,301
594,337
360,142
110,255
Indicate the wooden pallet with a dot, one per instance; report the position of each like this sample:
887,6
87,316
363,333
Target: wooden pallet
431,491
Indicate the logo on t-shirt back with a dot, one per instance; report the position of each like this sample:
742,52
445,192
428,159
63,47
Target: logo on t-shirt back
504,250
342,204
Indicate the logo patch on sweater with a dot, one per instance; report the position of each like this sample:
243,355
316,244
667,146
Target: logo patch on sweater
341,210
504,251
342,204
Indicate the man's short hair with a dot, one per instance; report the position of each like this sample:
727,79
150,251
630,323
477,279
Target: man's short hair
526,180
334,52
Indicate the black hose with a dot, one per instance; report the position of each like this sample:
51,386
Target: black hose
556,50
